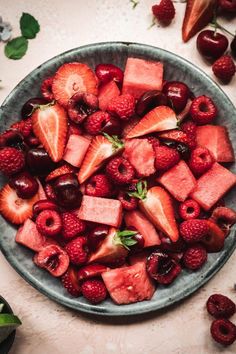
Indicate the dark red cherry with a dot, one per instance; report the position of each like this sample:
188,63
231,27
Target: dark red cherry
81,105
168,245
26,186
44,204
39,161
112,127
30,105
150,100
13,138
233,47
96,236
211,45
162,267
67,191
109,72
178,93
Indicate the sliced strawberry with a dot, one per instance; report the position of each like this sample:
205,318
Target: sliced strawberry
71,78
215,239
157,205
91,271
197,15
100,149
50,127
13,208
178,136
62,170
158,119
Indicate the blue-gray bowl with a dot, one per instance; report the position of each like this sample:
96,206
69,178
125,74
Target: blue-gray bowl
176,68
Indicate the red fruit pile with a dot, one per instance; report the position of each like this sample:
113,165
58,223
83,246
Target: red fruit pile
115,192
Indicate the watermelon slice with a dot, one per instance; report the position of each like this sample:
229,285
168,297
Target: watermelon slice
213,185
140,257
106,93
129,284
141,76
141,155
216,139
75,150
101,210
138,220
179,181
28,236
108,250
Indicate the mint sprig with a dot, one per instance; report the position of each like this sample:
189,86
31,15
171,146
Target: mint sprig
141,190
125,238
29,26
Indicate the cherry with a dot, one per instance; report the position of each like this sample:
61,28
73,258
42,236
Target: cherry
150,100
211,45
12,138
44,204
168,245
26,186
39,161
178,93
67,191
81,105
112,127
233,46
108,72
96,236
227,5
30,105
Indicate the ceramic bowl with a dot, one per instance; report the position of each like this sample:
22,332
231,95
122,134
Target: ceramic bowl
176,68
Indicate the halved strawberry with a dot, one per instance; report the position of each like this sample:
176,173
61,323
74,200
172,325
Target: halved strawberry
198,14
62,170
158,119
178,136
71,78
13,208
50,127
100,149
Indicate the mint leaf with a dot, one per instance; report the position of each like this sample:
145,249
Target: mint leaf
16,48
29,26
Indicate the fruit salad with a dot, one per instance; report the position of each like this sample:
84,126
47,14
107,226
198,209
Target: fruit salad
116,179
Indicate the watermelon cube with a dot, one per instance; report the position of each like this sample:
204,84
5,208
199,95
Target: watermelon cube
28,236
129,284
179,181
213,185
106,93
101,210
140,257
141,155
75,150
138,220
216,139
141,76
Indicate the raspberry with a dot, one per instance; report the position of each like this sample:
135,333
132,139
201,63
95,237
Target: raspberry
99,186
77,250
46,89
203,110
220,306
166,158
71,283
50,192
189,128
74,129
120,170
200,161
154,141
11,160
224,68
49,223
122,106
24,127
71,225
193,230
128,203
194,257
223,331
94,290
164,12
189,209
96,121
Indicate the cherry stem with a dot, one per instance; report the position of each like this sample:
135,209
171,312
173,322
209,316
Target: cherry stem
217,25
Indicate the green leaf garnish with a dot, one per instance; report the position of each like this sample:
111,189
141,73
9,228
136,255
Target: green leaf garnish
116,142
134,3
141,192
29,26
125,238
16,48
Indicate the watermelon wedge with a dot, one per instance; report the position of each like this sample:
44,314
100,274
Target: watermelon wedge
28,236
76,149
106,93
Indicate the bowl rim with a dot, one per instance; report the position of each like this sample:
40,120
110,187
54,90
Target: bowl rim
147,306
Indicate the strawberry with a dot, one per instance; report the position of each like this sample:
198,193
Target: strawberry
100,149
156,203
164,12
158,119
198,14
94,290
50,127
70,282
62,170
91,271
13,208
71,78
179,136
